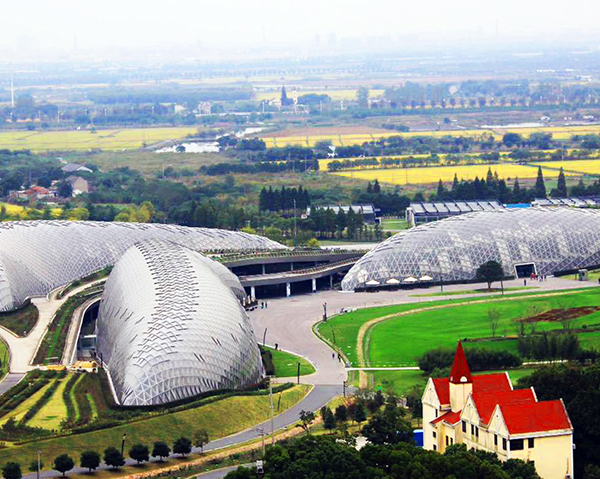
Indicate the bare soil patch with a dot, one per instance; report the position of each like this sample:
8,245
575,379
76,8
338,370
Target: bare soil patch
555,315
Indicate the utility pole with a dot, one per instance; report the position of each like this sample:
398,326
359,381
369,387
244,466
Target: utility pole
123,444
39,463
295,229
271,401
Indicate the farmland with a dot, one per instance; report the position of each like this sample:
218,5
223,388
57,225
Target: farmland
85,140
429,175
589,167
558,133
335,95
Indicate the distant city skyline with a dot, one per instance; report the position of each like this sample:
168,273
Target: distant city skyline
235,25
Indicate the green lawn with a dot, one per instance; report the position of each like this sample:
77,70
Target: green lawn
20,321
394,224
53,412
475,291
342,330
220,419
286,364
402,340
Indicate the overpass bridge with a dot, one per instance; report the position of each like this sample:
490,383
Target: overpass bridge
278,273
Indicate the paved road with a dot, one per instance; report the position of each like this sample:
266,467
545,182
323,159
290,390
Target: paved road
9,381
221,473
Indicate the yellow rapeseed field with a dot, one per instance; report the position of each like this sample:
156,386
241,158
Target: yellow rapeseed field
431,175
590,167
83,140
558,132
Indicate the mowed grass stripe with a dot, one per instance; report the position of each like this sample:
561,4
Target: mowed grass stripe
53,412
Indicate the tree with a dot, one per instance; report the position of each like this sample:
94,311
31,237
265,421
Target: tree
561,186
329,420
360,414
139,453
362,96
388,427
33,465
493,319
12,470
90,460
455,183
113,457
376,187
182,446
341,413
540,188
489,272
65,189
201,438
440,189
161,450
306,418
63,463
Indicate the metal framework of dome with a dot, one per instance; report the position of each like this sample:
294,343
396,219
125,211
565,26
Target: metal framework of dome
170,327
552,239
39,256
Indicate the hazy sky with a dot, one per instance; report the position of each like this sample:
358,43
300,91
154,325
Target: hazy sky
135,23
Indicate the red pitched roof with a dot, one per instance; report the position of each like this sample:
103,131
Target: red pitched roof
482,383
487,383
442,388
536,417
460,368
486,402
450,417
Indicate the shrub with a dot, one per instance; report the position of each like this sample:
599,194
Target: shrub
479,359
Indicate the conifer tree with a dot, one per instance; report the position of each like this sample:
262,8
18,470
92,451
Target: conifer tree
561,187
440,189
540,188
455,183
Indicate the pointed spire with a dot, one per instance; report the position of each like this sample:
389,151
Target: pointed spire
460,373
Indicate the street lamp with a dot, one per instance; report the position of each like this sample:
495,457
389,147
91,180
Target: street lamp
123,444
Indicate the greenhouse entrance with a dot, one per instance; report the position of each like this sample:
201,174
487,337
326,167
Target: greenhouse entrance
525,270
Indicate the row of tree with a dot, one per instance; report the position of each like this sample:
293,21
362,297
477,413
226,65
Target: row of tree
112,456
285,199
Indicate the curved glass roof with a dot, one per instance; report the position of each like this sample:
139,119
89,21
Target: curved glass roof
170,327
554,239
39,256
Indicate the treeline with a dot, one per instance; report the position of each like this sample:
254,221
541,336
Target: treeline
284,199
333,457
479,359
260,167
549,346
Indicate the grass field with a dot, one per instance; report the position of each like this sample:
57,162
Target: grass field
53,412
286,364
558,132
21,321
220,419
432,174
394,224
20,411
84,140
403,340
474,291
410,337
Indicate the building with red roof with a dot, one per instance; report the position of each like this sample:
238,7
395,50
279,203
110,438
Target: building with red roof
485,412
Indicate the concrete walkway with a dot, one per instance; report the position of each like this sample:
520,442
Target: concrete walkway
23,349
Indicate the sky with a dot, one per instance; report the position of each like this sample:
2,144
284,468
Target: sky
134,24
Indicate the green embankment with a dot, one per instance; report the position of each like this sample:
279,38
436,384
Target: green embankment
20,321
220,419
286,364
